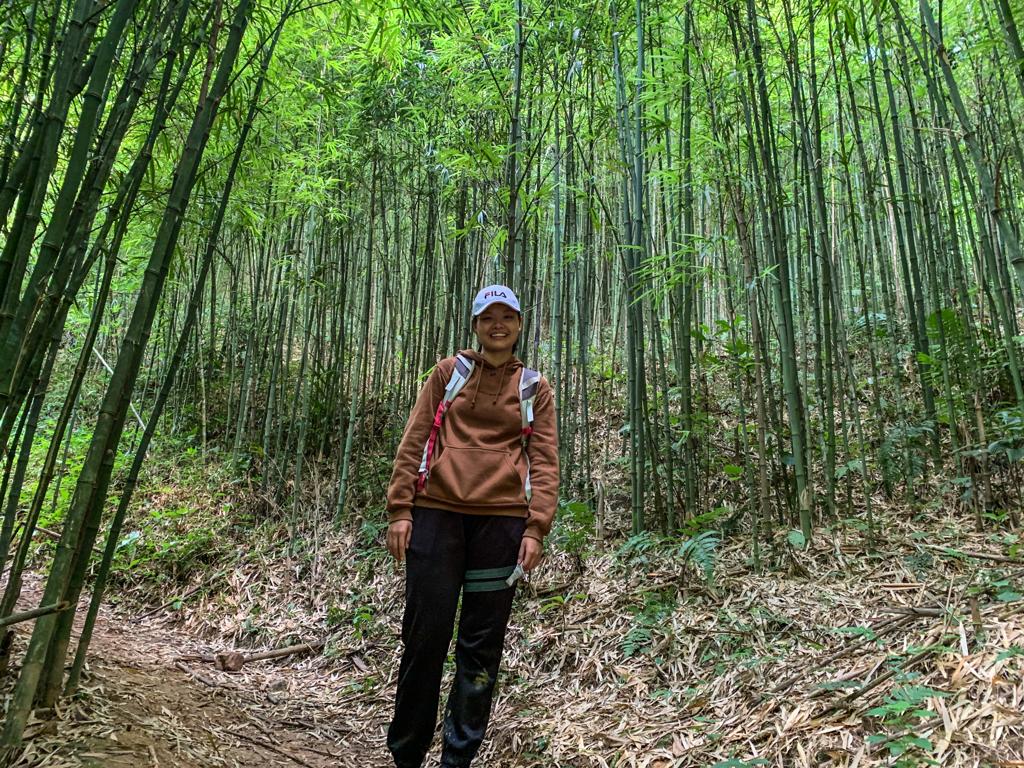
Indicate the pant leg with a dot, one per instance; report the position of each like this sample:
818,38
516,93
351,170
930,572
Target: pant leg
433,578
492,545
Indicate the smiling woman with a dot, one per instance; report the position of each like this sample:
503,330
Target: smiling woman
472,495
497,329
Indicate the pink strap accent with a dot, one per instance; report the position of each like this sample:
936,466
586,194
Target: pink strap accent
438,417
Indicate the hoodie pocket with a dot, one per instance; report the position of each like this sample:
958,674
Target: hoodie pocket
484,476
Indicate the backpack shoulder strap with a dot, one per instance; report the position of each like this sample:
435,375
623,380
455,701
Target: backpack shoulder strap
529,381
461,372
460,375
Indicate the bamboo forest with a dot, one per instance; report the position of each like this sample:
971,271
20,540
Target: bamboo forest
769,262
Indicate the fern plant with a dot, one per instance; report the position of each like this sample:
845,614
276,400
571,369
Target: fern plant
701,550
635,550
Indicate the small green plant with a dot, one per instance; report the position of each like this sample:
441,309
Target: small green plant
1013,543
648,621
904,452
878,322
370,533
920,563
1009,425
706,521
538,748
862,632
903,712
637,640
997,585
796,539
701,551
574,527
636,549
1012,652
735,762
362,620
366,684
335,616
558,602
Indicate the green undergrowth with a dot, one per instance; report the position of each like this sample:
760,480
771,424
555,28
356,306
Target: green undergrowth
196,519
644,600
187,514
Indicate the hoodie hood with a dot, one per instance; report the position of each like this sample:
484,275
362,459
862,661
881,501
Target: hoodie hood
485,369
513,364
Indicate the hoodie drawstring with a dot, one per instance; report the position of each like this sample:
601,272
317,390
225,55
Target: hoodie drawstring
476,390
501,383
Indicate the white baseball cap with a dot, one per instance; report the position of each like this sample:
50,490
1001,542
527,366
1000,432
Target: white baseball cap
495,294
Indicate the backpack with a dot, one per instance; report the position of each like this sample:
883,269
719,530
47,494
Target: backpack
528,383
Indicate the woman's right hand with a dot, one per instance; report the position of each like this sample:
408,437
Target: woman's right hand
399,534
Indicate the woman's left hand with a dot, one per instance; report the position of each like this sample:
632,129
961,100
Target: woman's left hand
530,553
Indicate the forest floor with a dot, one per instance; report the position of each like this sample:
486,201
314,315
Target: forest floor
910,654
142,705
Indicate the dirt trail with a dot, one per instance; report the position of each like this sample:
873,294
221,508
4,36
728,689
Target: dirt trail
634,663
142,706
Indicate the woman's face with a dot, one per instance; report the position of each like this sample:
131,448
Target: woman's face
497,328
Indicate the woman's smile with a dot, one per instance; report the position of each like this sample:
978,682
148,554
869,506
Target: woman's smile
497,328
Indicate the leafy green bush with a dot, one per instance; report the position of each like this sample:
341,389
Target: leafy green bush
904,452
573,530
168,545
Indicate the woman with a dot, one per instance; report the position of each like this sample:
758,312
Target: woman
472,495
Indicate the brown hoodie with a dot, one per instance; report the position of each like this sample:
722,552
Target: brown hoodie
478,466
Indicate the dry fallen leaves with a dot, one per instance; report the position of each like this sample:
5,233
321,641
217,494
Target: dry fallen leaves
768,667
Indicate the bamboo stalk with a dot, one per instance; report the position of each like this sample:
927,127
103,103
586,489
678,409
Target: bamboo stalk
35,613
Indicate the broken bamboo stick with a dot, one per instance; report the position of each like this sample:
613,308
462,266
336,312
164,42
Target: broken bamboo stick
35,613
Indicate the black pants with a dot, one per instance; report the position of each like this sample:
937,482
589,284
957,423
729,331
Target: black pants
451,553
